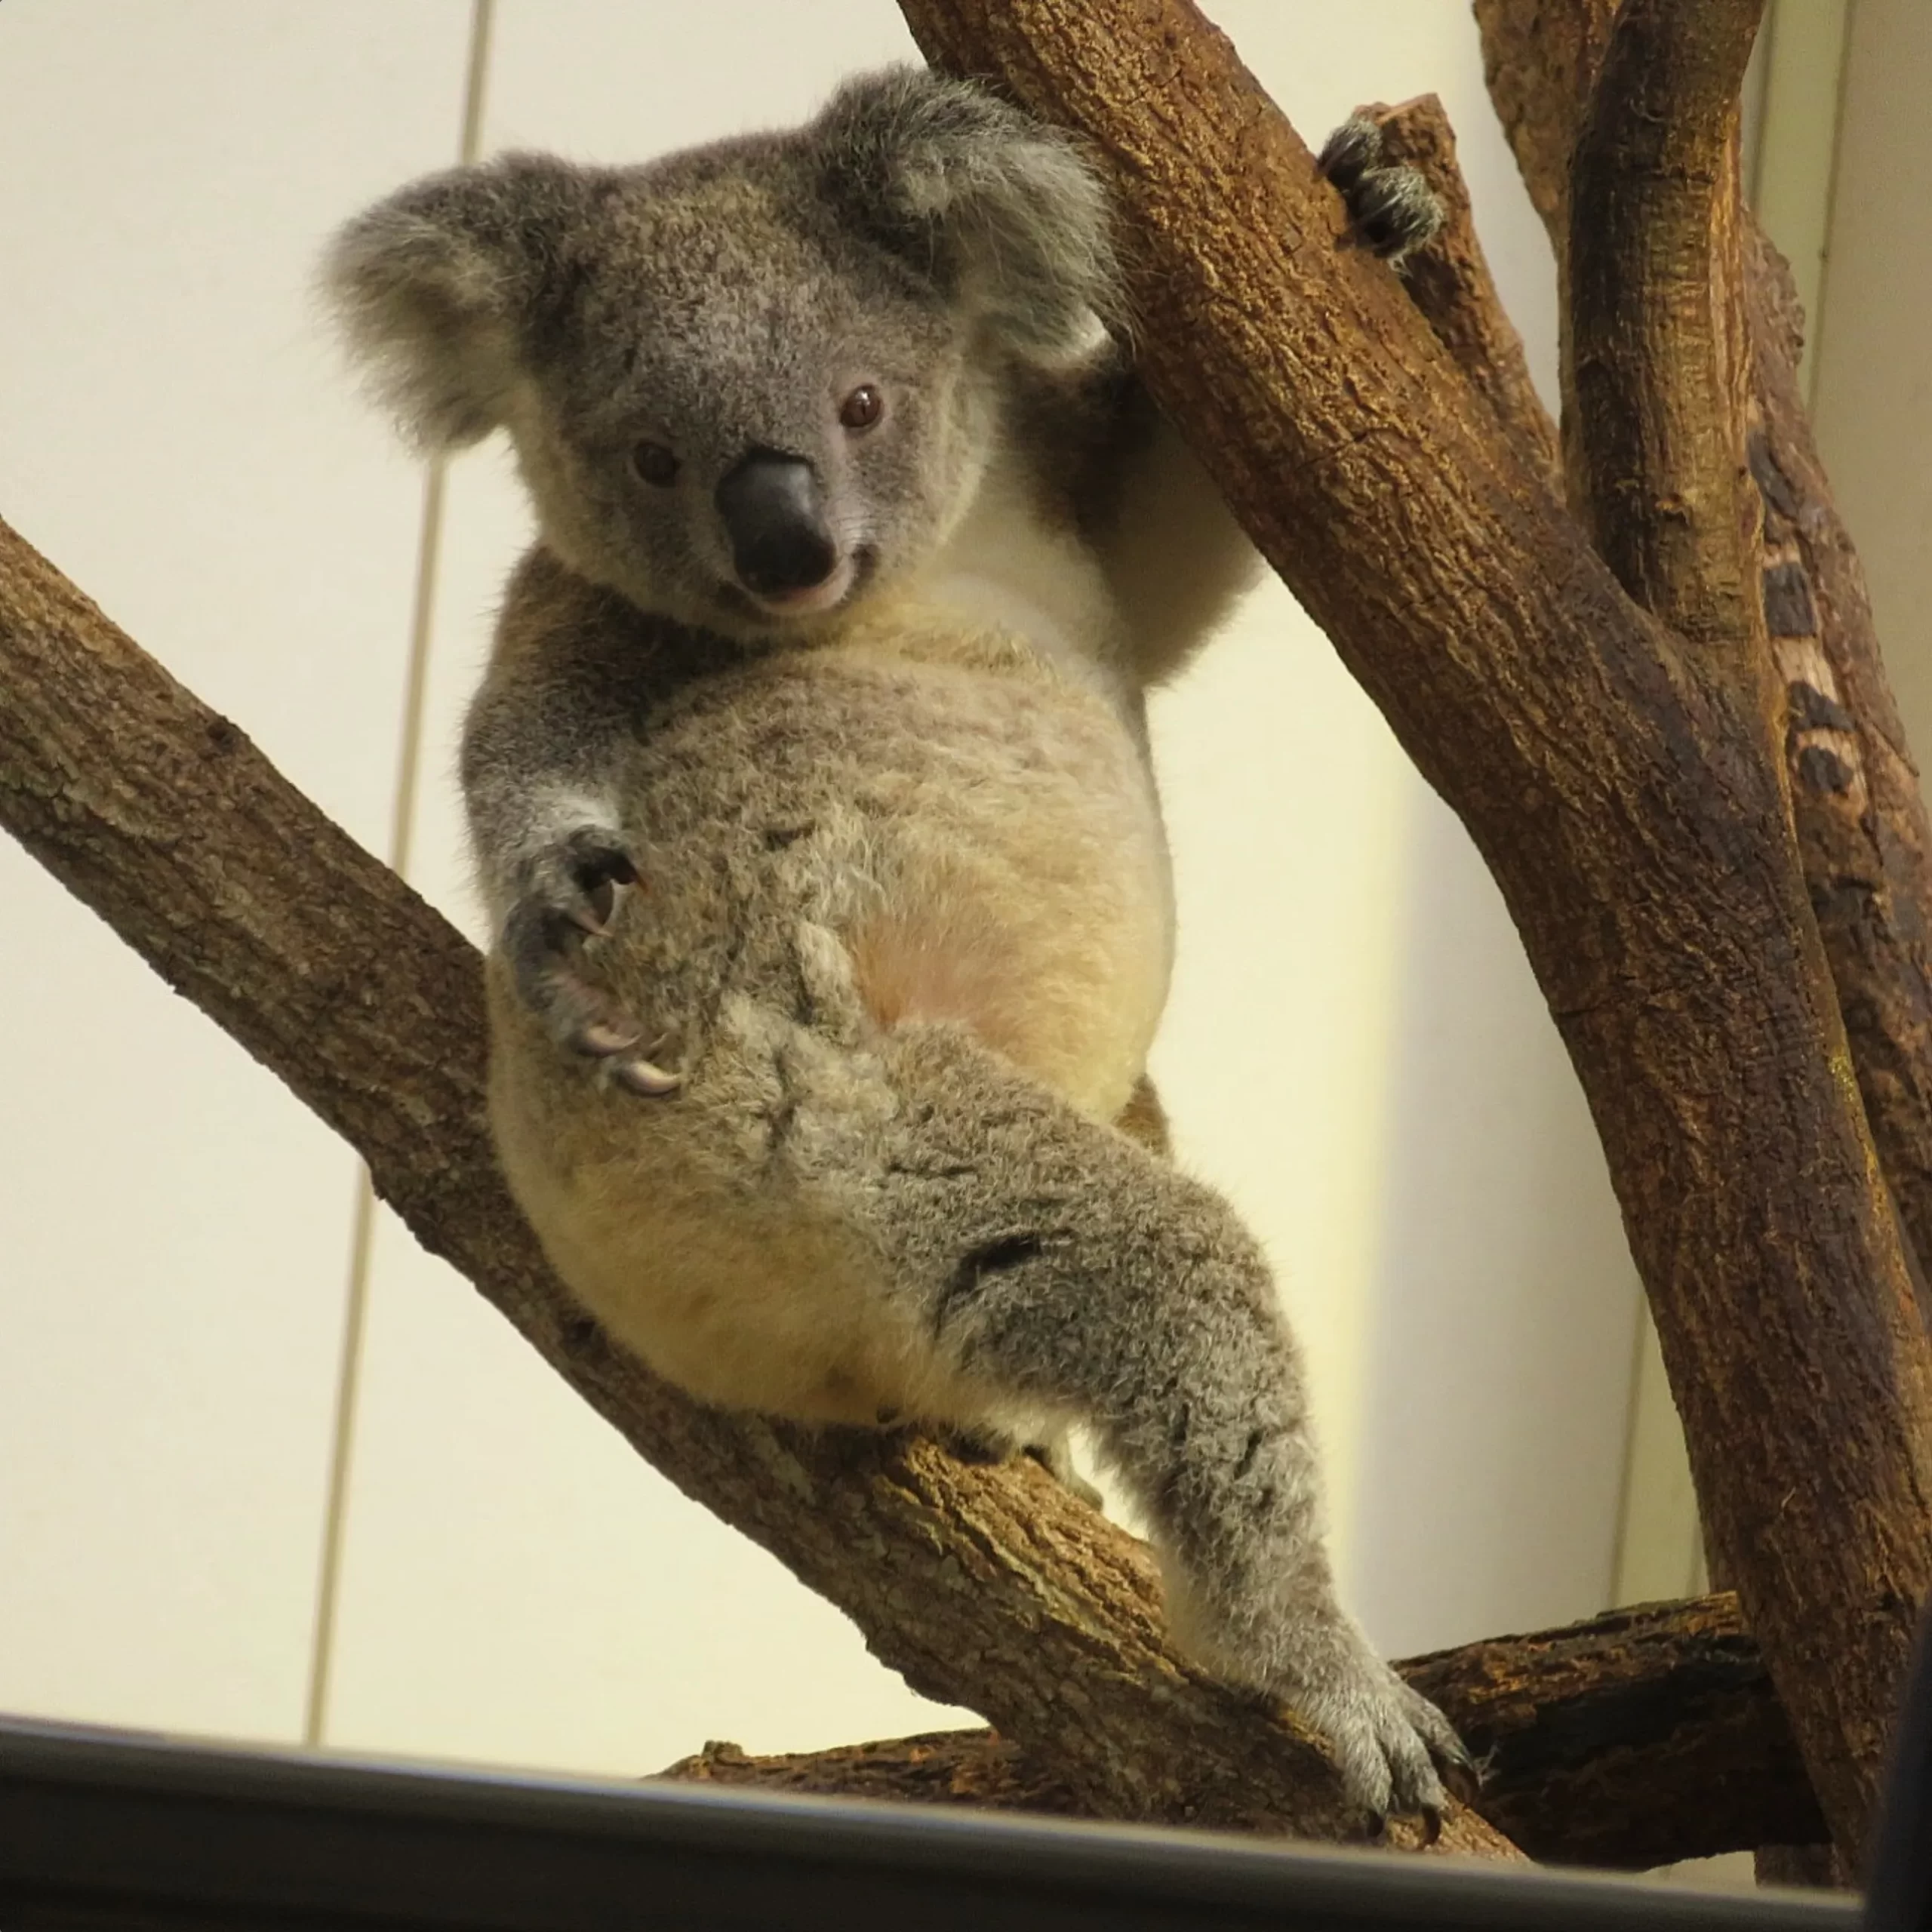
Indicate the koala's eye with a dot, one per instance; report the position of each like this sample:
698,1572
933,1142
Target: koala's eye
863,407
655,464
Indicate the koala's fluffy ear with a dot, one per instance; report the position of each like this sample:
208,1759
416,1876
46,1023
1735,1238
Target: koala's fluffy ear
438,288
1003,211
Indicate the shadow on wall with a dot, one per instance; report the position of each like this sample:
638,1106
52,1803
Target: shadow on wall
1502,1261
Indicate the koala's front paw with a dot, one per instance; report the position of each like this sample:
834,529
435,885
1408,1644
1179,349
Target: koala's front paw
1393,209
1389,1740
570,892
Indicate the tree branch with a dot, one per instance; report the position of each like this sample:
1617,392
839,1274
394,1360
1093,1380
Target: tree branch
1640,1737
1856,802
1449,281
1628,803
993,1588
1860,815
1634,1740
1659,370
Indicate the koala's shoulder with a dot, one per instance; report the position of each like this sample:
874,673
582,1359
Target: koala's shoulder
557,628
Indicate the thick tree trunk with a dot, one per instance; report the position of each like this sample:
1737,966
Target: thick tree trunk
1626,792
1635,1740
993,1588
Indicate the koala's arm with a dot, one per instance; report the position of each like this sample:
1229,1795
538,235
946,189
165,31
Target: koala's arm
545,748
1175,559
544,743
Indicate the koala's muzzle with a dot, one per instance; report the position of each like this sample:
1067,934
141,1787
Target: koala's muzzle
772,512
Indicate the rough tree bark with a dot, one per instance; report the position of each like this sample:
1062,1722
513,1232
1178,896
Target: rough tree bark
1657,368
1860,814
1625,790
1637,1739
1858,810
1449,281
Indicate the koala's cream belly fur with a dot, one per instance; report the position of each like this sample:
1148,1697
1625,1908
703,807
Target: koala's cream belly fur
919,823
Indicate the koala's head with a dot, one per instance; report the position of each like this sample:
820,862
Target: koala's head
745,381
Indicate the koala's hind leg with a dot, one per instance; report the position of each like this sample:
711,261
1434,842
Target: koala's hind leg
1143,1119
1056,1260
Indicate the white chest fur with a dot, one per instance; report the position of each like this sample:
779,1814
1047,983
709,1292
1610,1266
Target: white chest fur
1007,566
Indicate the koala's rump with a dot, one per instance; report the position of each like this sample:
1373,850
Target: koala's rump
831,849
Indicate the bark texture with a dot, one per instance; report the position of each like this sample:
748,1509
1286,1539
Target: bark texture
1638,1738
1860,811
1626,794
1856,800
993,1588
1449,281
1635,1740
1658,370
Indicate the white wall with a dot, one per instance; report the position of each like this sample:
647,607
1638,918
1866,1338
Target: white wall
1356,1051
1873,355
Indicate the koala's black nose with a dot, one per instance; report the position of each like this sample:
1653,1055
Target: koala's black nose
770,504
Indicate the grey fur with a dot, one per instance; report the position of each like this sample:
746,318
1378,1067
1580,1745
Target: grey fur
832,931
1391,207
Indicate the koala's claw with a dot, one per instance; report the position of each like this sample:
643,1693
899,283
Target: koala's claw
1388,1739
571,895
1392,208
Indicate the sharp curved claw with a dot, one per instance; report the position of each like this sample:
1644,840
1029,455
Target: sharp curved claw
640,1076
601,1039
1464,1778
1431,1823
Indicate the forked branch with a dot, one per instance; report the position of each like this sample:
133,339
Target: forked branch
1628,801
1860,814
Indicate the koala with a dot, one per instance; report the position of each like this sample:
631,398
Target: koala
810,797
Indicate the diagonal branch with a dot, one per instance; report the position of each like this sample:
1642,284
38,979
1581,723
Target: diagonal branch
1639,1738
990,1589
1628,800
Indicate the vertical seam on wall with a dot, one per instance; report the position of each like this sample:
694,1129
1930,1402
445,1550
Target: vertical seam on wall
1814,358
363,1232
1765,53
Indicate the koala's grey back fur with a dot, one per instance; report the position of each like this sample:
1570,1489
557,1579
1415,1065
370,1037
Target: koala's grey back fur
810,789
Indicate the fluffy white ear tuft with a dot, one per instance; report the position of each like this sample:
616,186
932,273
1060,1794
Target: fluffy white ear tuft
437,288
1004,211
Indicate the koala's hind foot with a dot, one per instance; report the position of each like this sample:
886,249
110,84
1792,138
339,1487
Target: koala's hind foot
571,892
1056,1259
1393,209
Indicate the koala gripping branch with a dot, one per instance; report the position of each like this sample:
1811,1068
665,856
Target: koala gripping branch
992,1588
1624,788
